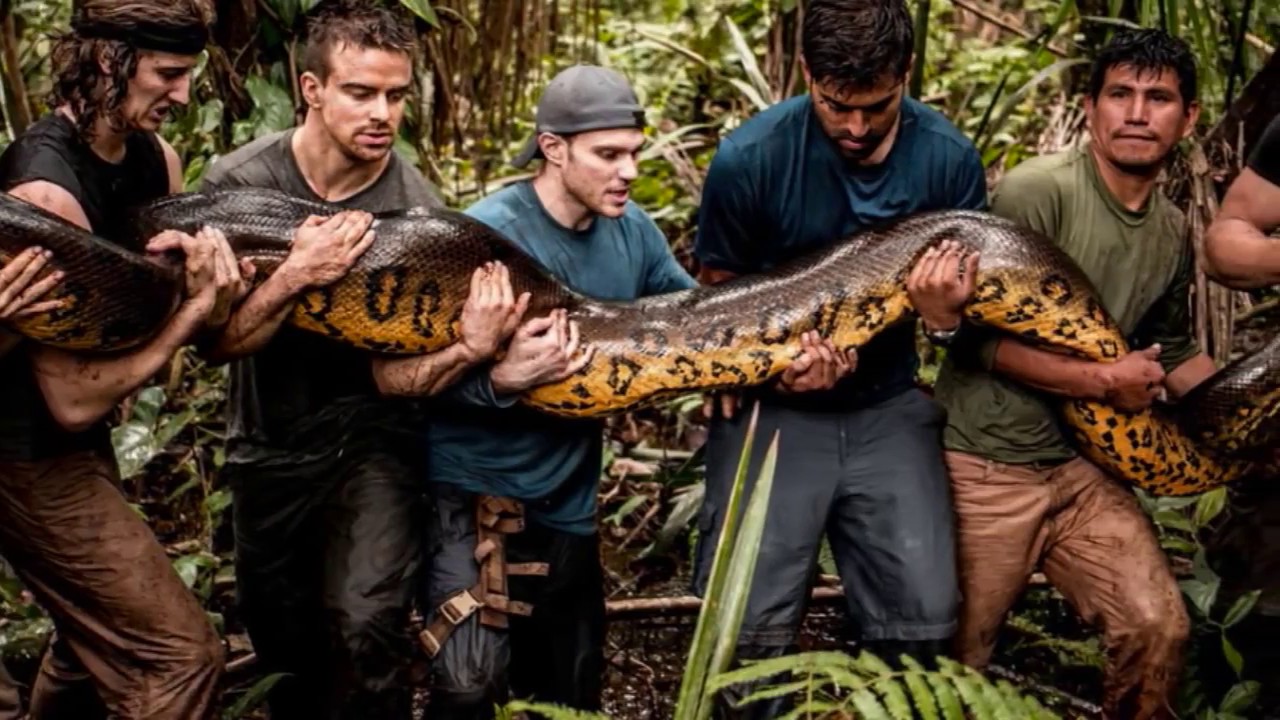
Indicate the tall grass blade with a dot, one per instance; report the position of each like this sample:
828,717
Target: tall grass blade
742,566
694,701
748,60
1007,107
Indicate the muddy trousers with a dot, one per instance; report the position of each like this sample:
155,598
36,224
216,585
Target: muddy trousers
327,558
553,655
1095,545
130,640
873,481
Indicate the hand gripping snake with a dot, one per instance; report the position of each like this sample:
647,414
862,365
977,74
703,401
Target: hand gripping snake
406,293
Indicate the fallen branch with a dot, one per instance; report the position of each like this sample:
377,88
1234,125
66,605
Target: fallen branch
689,604
1263,307
990,17
1077,704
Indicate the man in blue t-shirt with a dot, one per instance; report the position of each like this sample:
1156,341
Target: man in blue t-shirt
575,218
862,462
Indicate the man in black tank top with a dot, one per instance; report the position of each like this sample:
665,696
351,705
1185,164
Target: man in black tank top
327,499
130,640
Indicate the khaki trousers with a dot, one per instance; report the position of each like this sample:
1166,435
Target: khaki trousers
1095,545
131,640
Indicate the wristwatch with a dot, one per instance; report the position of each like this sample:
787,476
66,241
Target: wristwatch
942,337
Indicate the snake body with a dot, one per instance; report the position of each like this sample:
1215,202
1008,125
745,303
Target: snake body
405,296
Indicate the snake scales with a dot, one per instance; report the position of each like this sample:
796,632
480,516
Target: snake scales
406,292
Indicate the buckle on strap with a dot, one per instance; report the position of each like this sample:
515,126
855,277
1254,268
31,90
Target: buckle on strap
449,614
459,607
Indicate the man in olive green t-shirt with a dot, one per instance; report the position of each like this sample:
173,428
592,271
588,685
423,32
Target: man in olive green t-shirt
1024,498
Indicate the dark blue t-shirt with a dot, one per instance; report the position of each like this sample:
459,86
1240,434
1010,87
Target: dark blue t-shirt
550,463
778,187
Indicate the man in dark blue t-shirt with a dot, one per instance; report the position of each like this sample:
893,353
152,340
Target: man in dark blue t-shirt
863,461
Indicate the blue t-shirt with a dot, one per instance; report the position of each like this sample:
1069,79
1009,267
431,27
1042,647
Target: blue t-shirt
550,463
778,188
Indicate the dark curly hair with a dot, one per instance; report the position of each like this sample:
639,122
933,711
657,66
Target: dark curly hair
78,79
1146,50
857,44
362,23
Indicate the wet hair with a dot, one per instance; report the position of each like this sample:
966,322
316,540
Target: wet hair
1146,50
362,23
856,44
98,32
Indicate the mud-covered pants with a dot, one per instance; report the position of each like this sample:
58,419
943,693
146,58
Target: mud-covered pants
553,655
130,640
1097,547
871,479
327,559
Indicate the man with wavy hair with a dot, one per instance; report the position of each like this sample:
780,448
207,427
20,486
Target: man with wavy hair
130,640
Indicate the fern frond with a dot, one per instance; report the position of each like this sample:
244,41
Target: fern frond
836,684
868,706
552,712
895,699
920,695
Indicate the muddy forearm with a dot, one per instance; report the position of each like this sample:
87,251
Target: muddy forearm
1050,372
423,374
255,321
81,390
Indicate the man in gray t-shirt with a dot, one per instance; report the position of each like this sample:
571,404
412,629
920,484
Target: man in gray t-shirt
326,498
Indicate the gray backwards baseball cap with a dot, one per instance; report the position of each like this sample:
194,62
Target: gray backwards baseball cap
582,98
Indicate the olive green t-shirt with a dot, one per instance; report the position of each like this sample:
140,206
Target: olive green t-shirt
1141,264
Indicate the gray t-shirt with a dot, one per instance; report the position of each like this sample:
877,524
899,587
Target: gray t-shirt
302,393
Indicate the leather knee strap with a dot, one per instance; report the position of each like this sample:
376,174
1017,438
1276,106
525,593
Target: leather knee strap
495,518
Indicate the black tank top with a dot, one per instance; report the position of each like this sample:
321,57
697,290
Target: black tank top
51,150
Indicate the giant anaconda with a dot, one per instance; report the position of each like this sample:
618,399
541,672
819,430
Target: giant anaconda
405,296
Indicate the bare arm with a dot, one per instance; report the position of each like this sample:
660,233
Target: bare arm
489,316
1184,378
1237,251
422,375
252,324
323,251
1049,371
173,164
80,390
1131,382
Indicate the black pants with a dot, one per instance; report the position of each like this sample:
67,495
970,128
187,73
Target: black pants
327,562
873,480
555,655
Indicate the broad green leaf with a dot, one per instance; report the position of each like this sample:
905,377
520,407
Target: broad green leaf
1201,593
423,9
1232,655
1241,608
1210,506
1240,697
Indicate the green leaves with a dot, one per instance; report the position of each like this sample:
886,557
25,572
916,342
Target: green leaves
423,10
865,686
732,570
